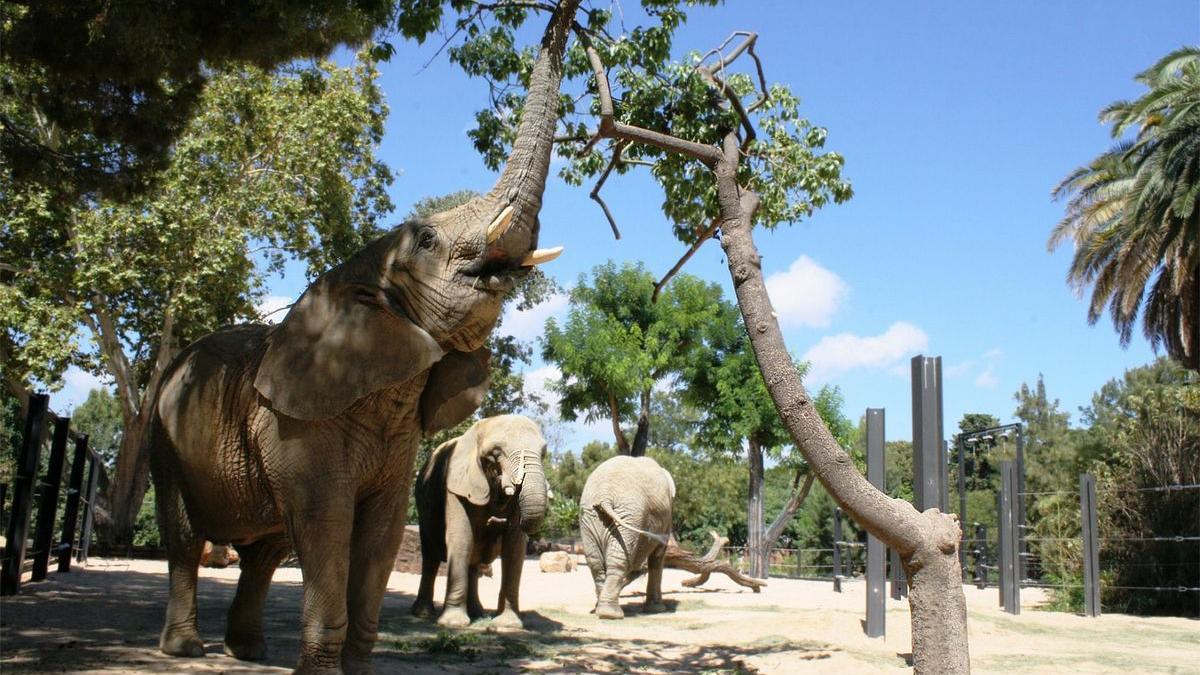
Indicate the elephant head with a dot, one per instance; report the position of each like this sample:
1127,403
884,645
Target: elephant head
498,458
431,287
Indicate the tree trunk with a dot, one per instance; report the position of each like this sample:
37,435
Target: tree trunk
756,552
622,442
799,494
642,436
682,559
926,542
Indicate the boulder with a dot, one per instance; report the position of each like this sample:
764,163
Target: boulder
556,561
218,555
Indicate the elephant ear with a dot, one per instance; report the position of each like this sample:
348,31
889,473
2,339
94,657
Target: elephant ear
465,476
339,343
455,388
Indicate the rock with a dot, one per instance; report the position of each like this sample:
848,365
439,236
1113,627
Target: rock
556,561
218,555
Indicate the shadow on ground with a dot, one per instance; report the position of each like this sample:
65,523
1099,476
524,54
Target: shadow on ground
109,621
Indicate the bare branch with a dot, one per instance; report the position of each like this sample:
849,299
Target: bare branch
595,194
703,237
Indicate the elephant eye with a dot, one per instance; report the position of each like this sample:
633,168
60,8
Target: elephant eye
426,239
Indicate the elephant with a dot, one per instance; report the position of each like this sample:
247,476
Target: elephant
625,524
303,435
478,497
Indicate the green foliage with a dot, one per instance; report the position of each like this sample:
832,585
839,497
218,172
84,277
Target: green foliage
616,343
711,494
123,81
1131,213
145,528
100,418
562,518
270,167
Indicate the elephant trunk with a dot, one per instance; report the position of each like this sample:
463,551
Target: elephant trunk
531,500
514,233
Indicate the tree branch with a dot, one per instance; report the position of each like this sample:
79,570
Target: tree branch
704,236
618,148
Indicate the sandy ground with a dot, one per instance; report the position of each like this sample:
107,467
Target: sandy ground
106,618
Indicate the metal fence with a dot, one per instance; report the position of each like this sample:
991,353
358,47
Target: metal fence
41,496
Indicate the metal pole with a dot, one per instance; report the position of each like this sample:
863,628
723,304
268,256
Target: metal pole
1010,587
1022,545
927,431
1091,545
876,551
837,550
980,556
899,579
1000,584
48,506
18,521
71,515
89,511
962,504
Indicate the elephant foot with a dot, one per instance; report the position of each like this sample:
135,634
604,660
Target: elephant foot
181,642
653,608
356,665
249,647
609,611
454,617
508,619
423,609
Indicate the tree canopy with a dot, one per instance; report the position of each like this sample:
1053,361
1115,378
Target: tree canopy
1132,213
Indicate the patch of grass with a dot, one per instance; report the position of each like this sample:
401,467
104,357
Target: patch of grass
452,644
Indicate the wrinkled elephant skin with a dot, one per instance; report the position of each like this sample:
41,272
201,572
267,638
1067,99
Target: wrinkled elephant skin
625,522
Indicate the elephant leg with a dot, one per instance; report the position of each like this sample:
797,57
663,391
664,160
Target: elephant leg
319,525
378,530
243,628
423,606
595,563
459,539
609,604
474,606
512,555
180,634
654,602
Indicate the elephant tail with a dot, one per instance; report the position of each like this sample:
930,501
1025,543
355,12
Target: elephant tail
606,508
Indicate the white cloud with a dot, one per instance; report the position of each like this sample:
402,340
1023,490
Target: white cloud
530,323
76,385
273,308
806,294
987,379
835,354
959,369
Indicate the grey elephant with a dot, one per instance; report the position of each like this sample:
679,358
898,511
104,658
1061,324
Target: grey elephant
625,523
303,435
478,497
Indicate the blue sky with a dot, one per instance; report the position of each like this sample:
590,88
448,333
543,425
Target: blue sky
956,121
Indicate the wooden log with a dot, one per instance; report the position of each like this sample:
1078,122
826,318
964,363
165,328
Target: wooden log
705,566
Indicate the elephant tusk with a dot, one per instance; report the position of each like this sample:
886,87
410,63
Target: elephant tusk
540,256
500,225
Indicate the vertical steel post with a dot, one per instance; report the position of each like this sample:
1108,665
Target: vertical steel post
980,556
1000,585
944,480
837,549
1009,549
1022,546
899,579
876,551
962,504
71,514
89,510
927,431
1091,545
18,520
48,506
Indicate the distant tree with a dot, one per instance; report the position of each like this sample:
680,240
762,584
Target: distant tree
1132,213
99,416
617,343
271,167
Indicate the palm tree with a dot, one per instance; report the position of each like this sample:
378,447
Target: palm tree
1132,213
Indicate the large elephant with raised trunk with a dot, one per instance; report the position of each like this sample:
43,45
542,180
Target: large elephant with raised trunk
303,435
625,523
478,497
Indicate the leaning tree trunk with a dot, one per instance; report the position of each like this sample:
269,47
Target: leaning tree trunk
926,542
641,437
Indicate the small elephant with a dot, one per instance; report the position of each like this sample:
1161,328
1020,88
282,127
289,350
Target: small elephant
479,496
625,522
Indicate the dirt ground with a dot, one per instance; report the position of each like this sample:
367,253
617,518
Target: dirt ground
106,617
